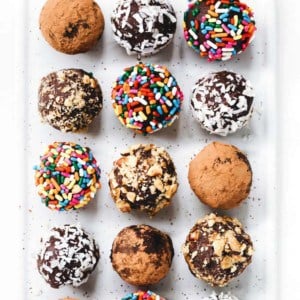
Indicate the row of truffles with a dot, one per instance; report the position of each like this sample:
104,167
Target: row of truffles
216,29
146,98
144,178
149,295
216,250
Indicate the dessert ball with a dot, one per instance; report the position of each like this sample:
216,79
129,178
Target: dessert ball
217,249
144,178
218,30
222,102
222,296
140,295
68,256
69,100
142,255
71,26
69,298
67,177
143,27
146,98
220,175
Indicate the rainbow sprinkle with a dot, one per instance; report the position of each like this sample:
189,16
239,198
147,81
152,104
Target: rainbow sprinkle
140,295
67,177
146,98
218,29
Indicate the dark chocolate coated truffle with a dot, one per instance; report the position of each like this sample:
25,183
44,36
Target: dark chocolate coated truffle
69,99
143,27
68,256
217,249
142,255
144,178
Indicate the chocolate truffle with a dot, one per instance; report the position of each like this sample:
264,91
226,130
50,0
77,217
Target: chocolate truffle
142,255
69,100
144,178
217,249
222,296
143,27
222,102
220,175
71,26
146,98
68,256
67,177
140,295
218,29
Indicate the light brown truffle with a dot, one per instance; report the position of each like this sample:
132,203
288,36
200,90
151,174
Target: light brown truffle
221,176
217,249
71,26
142,255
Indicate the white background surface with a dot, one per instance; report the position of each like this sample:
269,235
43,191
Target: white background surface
11,175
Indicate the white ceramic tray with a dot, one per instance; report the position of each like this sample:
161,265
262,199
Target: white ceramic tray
183,140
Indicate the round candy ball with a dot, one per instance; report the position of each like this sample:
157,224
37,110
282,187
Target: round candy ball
68,256
221,296
146,98
70,99
222,102
67,177
142,255
71,26
144,178
218,29
143,27
140,295
220,175
217,249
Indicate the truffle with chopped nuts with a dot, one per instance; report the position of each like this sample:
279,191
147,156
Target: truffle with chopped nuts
144,178
217,249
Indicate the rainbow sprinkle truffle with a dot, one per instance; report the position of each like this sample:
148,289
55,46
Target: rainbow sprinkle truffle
146,98
218,29
67,177
140,295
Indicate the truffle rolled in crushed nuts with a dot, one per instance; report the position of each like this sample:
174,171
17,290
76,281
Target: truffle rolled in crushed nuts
71,26
142,255
220,175
68,257
144,178
69,99
217,249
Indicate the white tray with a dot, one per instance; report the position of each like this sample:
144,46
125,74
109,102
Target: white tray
183,140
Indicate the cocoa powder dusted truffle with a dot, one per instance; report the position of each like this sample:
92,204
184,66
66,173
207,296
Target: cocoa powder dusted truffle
68,257
143,27
142,255
71,26
144,178
220,175
217,249
222,102
69,99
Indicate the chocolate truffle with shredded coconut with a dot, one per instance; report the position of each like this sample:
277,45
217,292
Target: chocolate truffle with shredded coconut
69,99
222,102
143,27
68,256
217,249
222,296
144,178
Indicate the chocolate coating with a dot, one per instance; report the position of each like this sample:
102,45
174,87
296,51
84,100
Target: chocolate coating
69,99
144,178
222,102
143,26
217,249
142,255
68,256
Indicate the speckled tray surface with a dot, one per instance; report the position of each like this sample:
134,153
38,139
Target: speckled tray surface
107,138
